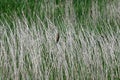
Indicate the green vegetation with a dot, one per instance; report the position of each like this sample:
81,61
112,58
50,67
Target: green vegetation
88,47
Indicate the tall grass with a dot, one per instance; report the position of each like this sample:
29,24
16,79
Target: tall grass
87,49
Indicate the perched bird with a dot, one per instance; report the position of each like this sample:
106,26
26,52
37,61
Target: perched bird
57,37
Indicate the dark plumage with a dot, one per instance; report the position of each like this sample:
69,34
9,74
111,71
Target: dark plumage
57,37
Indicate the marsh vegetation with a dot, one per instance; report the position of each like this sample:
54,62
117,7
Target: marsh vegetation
88,47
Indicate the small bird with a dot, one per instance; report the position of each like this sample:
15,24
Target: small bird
57,37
